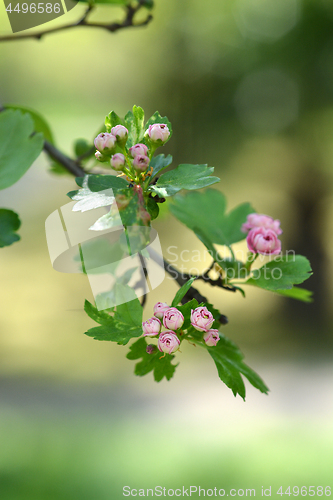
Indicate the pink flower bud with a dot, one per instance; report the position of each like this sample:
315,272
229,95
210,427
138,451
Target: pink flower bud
121,133
264,241
100,157
261,220
138,149
151,348
158,132
173,319
105,143
160,308
141,163
211,337
151,327
201,319
118,161
168,342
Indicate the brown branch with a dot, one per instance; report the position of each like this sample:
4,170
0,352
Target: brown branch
144,280
112,27
69,164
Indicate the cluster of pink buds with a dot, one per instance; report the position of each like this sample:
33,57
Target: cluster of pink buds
202,320
107,143
172,319
263,232
141,160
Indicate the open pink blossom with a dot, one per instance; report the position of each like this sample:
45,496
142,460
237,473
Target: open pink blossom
263,241
211,337
173,319
151,327
138,149
201,319
261,220
168,342
160,308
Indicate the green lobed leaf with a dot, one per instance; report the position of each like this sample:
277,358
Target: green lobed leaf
297,293
158,163
157,118
40,124
204,213
89,197
112,333
281,273
129,124
229,363
157,362
100,182
9,224
106,221
112,120
83,147
88,200
126,322
152,208
130,311
185,176
130,215
229,265
18,147
138,124
182,291
101,317
186,312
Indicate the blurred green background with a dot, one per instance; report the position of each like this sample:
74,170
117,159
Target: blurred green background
248,87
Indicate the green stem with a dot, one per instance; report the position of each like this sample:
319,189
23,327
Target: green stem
128,242
82,260
232,253
251,258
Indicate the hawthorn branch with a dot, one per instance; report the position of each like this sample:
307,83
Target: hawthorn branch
144,280
127,22
71,165
192,293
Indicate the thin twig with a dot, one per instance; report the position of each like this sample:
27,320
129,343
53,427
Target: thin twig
145,273
181,279
69,164
111,27
218,282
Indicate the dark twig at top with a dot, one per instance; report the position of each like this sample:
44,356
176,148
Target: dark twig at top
83,21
